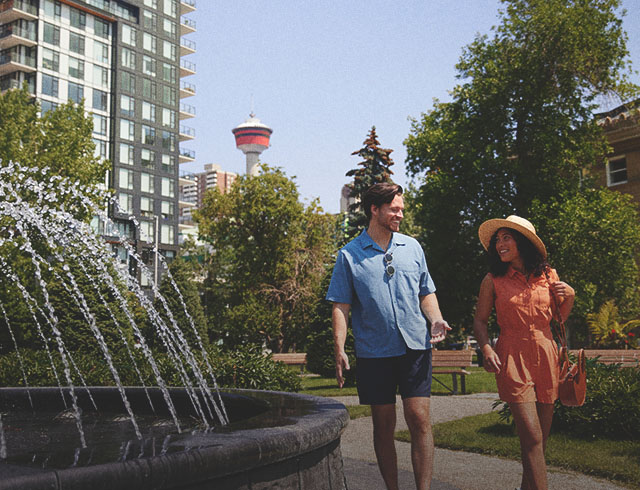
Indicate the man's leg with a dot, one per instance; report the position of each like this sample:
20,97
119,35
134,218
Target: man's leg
418,417
384,426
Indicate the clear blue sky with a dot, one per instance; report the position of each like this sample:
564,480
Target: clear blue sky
321,73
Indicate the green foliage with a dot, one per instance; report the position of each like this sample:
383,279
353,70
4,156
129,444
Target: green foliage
519,128
608,332
247,368
611,409
373,169
593,239
267,257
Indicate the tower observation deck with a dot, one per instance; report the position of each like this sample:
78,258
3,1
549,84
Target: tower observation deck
252,137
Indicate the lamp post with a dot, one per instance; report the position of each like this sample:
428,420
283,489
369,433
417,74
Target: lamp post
157,250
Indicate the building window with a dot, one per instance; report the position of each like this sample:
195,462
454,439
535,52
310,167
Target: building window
127,105
166,235
149,42
76,68
99,100
46,106
147,158
169,72
125,179
168,209
99,125
150,20
146,206
148,111
168,95
52,8
77,18
149,65
128,82
100,52
100,149
127,130
149,88
168,118
50,59
49,85
126,154
100,76
101,28
146,230
168,141
128,58
169,50
151,3
76,43
168,163
148,135
170,8
167,187
617,171
128,35
75,92
51,34
169,27
125,203
146,182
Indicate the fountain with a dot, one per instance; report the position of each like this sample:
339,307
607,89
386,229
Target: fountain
74,436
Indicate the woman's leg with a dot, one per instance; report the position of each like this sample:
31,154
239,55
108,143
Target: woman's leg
532,440
545,416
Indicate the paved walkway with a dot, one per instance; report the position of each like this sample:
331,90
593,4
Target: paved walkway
452,469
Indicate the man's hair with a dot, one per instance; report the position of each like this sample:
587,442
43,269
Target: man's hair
379,194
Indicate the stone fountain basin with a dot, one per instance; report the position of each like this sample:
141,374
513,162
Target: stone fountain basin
274,440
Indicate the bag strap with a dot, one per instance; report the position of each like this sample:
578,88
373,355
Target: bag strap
559,327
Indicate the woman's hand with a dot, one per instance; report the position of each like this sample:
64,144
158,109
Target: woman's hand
563,290
490,361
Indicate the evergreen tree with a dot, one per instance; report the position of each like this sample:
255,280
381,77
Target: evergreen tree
373,169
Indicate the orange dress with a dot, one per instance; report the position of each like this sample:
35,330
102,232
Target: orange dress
527,351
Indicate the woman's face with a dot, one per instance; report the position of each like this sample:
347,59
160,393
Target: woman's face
506,245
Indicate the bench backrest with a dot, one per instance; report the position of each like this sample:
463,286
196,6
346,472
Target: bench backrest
628,358
453,358
290,357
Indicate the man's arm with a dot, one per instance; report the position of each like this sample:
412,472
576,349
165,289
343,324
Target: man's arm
431,309
339,320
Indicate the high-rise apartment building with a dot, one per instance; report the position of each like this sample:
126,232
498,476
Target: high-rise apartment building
124,58
194,186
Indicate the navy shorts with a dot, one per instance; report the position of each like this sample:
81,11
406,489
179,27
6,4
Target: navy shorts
379,379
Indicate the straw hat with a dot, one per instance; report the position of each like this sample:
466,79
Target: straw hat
489,227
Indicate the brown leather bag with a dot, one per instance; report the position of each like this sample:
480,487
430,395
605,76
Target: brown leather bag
572,390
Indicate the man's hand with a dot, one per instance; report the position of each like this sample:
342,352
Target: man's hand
439,331
342,363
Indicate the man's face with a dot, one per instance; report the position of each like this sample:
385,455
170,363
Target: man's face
390,215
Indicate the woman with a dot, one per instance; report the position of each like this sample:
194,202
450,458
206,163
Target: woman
525,359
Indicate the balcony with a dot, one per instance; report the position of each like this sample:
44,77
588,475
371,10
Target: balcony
186,155
11,10
187,6
12,35
186,133
187,26
187,68
187,89
186,111
15,61
187,47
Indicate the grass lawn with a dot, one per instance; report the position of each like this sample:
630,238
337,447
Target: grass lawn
486,434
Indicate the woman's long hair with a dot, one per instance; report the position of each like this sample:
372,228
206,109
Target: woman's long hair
534,262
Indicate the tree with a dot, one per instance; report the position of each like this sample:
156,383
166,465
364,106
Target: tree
266,261
519,128
374,168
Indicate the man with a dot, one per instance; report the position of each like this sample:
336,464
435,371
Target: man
382,277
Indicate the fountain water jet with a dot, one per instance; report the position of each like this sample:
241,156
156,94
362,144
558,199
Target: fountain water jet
164,437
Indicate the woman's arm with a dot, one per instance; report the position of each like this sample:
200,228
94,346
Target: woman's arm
491,361
566,295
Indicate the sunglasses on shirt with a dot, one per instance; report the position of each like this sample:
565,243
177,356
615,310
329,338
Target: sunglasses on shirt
388,268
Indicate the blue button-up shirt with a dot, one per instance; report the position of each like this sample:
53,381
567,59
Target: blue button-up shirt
385,310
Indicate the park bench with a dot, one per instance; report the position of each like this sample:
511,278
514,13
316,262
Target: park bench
452,362
627,358
291,359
